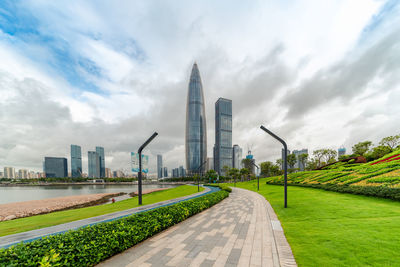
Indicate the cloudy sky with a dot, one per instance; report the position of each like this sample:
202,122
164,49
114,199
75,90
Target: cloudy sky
110,73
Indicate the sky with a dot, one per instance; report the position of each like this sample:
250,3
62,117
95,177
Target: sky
320,74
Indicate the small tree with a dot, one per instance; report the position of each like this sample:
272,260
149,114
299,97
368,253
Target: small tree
225,170
244,172
291,160
302,158
361,148
234,173
318,155
211,175
391,142
312,164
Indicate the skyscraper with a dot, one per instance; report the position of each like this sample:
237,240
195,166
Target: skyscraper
55,167
299,163
223,134
9,172
236,157
100,152
196,132
76,161
159,166
93,164
165,172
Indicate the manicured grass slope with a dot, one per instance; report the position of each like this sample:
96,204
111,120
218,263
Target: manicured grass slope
384,172
333,229
55,218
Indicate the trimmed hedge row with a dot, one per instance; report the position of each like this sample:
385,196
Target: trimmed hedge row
221,186
93,244
375,191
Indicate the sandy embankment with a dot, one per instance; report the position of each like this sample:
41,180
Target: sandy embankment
16,210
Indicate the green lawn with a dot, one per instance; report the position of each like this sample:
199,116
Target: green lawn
59,217
333,229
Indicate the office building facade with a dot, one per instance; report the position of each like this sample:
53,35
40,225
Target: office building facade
100,152
223,134
159,166
76,161
55,167
299,164
9,172
94,169
196,131
237,157
165,172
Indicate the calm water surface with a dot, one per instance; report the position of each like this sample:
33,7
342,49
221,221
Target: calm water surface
25,193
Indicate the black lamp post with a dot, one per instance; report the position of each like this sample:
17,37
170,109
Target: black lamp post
198,177
258,176
140,165
284,160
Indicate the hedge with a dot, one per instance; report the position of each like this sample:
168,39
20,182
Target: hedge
92,244
375,191
221,186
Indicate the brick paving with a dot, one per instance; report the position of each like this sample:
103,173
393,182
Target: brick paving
242,230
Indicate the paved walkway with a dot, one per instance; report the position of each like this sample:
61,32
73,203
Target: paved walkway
242,230
9,240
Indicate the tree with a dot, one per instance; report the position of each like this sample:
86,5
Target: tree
390,141
329,155
361,148
312,164
225,170
378,152
318,154
234,173
247,163
244,172
302,158
211,175
291,160
279,162
269,169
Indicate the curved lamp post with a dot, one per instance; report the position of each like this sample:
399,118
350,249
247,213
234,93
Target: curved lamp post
284,160
258,176
140,165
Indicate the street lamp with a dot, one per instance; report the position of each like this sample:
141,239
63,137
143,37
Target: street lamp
258,176
198,177
140,165
284,159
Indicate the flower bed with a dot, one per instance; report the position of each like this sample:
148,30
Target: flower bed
90,245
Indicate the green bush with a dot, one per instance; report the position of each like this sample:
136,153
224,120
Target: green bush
221,186
90,245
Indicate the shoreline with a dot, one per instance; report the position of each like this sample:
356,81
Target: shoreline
88,183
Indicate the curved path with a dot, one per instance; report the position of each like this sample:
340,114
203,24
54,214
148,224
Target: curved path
9,240
242,230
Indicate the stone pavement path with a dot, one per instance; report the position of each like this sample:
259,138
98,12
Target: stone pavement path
242,230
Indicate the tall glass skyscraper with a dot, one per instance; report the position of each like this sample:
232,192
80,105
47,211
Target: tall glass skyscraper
76,161
100,152
223,134
196,131
159,166
93,164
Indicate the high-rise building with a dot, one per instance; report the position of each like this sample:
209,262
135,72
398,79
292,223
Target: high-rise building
283,152
23,174
237,157
55,167
299,164
341,152
9,173
210,164
76,161
159,166
100,152
175,172
196,131
165,172
108,173
93,164
223,134
182,171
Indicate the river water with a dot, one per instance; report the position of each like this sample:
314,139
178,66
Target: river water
24,193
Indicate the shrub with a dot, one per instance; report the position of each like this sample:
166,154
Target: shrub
90,245
221,186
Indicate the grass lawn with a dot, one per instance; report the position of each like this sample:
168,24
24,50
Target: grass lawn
59,217
333,229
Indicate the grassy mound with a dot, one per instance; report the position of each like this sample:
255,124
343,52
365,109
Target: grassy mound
379,178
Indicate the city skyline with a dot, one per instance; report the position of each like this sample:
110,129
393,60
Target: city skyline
72,76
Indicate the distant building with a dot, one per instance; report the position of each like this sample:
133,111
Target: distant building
100,152
159,166
165,172
300,165
237,157
93,164
1,175
283,158
182,171
118,174
175,172
223,134
251,167
341,152
108,173
23,174
55,167
76,161
9,172
210,164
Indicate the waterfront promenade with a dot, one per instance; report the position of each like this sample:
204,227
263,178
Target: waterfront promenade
242,230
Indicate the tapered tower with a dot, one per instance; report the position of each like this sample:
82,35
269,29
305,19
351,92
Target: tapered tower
196,131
